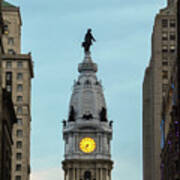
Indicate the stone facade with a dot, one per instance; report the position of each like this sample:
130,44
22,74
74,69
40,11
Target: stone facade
155,85
170,154
87,118
12,29
20,73
1,30
17,72
8,119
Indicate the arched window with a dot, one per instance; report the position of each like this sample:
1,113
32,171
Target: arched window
87,175
11,51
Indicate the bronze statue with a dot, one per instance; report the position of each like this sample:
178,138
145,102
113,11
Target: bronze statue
88,41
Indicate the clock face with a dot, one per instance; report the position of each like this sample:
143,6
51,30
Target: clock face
87,145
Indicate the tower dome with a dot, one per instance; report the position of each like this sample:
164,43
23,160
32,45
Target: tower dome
87,100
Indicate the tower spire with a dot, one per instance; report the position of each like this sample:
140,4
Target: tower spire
87,132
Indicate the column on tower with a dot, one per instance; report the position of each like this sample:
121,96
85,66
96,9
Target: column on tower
106,173
97,173
77,174
101,174
74,172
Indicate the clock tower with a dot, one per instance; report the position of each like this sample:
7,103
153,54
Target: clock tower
87,132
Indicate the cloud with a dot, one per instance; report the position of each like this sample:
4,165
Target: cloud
47,174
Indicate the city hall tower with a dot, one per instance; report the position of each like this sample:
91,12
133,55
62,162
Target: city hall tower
87,132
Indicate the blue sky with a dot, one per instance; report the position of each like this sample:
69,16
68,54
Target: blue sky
53,31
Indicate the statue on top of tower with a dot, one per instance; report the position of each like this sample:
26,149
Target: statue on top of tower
88,41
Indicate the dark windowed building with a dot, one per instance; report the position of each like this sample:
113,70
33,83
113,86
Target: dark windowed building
155,86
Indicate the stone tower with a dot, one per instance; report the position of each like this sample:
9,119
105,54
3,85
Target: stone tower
17,73
87,132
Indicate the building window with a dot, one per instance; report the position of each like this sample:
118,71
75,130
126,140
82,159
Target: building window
9,81
11,51
19,87
164,36
165,63
19,64
8,76
18,177
172,23
19,122
19,144
19,98
18,156
164,87
19,133
87,175
9,88
19,76
5,29
164,23
165,48
172,48
172,36
165,74
11,41
9,64
19,110
18,167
